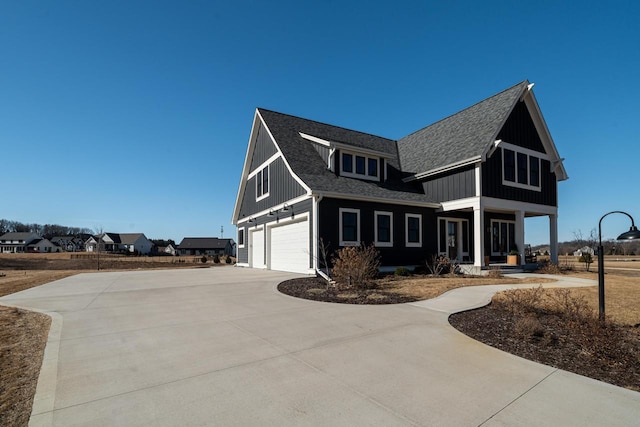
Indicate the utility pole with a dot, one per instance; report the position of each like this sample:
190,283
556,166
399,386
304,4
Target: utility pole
221,231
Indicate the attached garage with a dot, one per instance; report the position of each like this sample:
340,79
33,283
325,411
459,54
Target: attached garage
290,246
256,248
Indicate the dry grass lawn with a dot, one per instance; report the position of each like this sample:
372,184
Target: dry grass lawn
19,280
426,287
23,336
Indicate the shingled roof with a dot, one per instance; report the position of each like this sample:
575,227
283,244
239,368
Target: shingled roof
460,137
309,166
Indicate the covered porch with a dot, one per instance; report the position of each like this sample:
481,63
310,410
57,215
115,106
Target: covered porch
483,232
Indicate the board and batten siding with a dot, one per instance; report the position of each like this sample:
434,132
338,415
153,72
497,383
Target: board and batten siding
264,148
282,187
451,186
520,130
492,185
297,209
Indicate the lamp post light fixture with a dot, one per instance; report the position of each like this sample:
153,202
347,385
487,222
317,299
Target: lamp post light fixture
632,234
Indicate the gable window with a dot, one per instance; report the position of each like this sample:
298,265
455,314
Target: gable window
520,169
383,228
413,230
262,183
359,166
349,227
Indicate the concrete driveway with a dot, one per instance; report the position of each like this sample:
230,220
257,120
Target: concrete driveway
221,346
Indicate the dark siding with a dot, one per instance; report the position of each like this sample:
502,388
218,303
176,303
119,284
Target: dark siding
492,183
520,130
264,148
328,217
282,187
323,151
295,210
451,186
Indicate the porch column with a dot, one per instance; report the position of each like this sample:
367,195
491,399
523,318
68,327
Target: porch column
520,235
553,237
478,236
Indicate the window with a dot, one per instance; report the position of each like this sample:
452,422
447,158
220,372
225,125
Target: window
383,228
262,183
520,169
347,162
373,167
413,224
349,227
503,235
241,237
357,166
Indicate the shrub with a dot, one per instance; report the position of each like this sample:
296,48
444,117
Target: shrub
402,271
355,265
440,265
203,259
495,272
520,301
228,260
529,327
587,259
216,259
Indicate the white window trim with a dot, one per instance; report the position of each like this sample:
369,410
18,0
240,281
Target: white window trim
348,242
529,154
376,214
244,237
353,174
407,243
460,242
258,173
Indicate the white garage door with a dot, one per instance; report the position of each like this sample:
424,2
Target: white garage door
290,247
256,249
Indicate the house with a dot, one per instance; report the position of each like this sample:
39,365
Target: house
584,250
206,246
166,250
18,242
69,243
461,187
120,243
42,246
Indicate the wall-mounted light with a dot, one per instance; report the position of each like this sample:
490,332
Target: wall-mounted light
285,208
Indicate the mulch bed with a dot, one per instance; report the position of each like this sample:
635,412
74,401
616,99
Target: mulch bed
610,353
316,289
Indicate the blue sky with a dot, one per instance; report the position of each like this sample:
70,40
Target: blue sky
134,116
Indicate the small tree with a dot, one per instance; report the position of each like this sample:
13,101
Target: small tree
203,259
216,259
587,259
356,266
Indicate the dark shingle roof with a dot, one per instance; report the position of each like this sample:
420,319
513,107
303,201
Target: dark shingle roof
309,166
203,243
462,136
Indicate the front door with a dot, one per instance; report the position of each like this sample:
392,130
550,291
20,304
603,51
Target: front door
452,240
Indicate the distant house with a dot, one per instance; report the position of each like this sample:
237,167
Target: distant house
120,242
167,250
584,250
42,246
17,242
68,243
206,246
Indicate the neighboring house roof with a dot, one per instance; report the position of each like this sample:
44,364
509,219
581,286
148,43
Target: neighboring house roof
130,238
461,137
204,243
19,236
307,164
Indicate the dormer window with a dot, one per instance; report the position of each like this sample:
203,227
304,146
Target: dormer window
359,166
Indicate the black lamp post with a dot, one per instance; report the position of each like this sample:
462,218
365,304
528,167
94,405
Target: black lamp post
632,234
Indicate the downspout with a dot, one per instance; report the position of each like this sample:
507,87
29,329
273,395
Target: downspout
316,232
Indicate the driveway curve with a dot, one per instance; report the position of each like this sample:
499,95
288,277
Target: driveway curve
222,346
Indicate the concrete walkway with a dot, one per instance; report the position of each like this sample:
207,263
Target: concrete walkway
221,346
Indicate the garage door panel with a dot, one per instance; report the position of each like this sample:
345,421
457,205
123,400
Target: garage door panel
290,247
